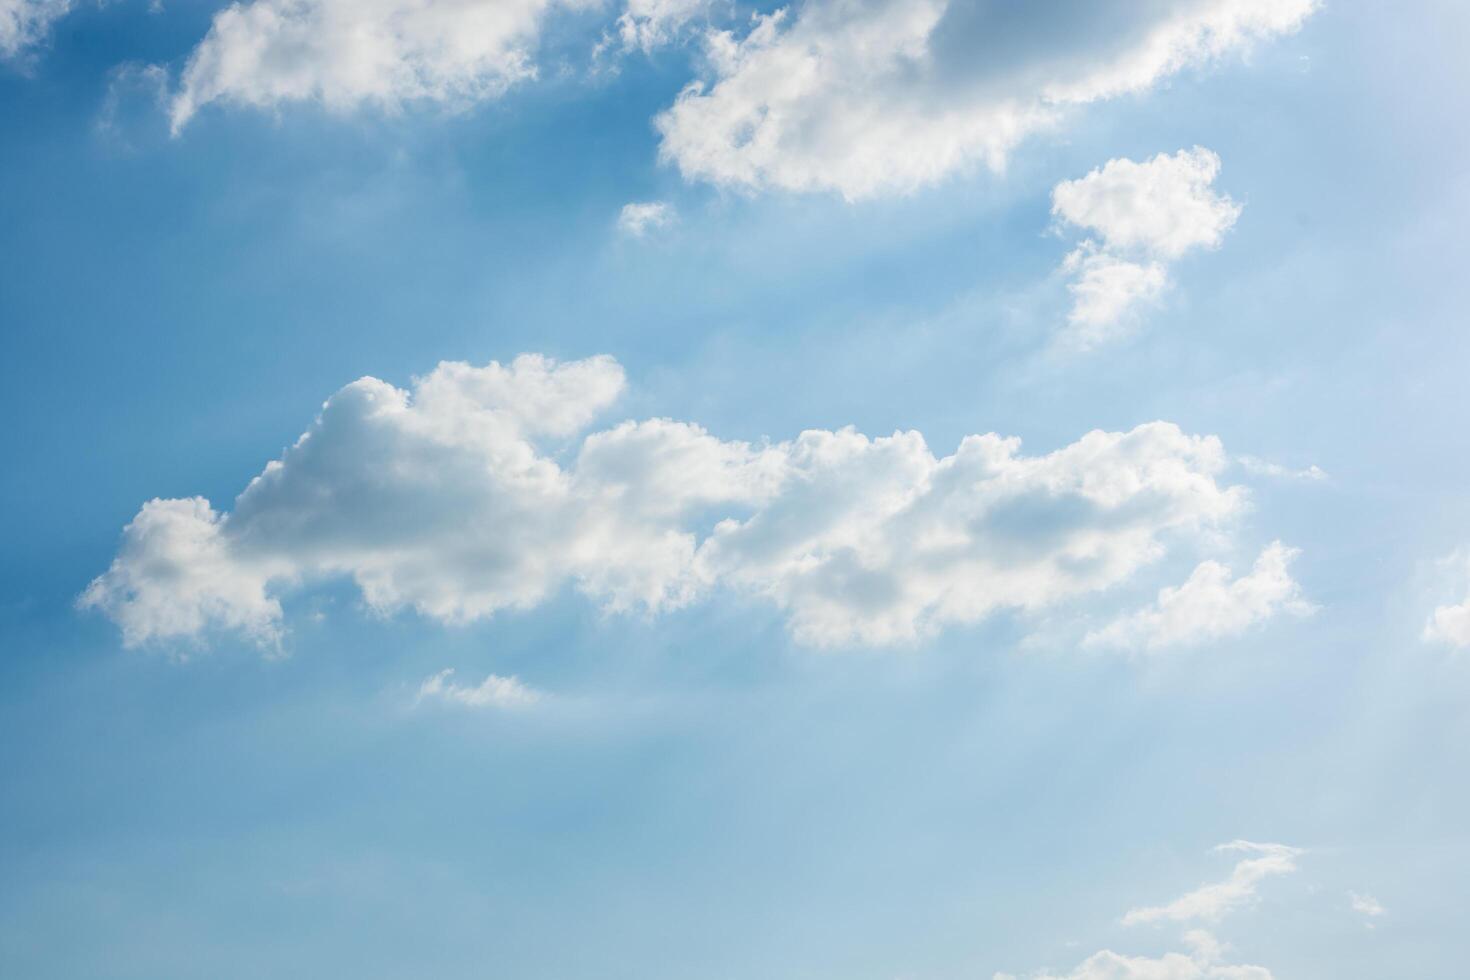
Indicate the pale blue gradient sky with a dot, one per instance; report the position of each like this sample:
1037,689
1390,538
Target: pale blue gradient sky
698,796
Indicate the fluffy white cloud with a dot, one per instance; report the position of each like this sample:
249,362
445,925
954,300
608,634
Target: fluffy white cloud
26,22
865,97
639,217
493,692
1143,215
1450,625
178,575
1164,206
1210,605
347,53
1105,290
465,497
1212,902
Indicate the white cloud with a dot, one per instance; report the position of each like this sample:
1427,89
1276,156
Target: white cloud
493,692
1212,902
1164,206
866,97
24,23
638,217
648,24
469,495
1105,291
349,53
1210,605
177,575
1450,624
1143,215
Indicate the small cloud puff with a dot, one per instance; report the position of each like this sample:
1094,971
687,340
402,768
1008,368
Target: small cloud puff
493,692
638,218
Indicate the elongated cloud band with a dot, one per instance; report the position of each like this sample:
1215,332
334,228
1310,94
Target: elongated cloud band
453,500
866,97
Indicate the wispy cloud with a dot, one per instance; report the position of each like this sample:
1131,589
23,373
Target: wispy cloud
1210,903
493,692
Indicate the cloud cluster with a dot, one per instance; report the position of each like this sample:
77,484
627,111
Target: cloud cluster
349,53
1141,216
865,97
481,490
493,692
24,23
1210,605
1204,958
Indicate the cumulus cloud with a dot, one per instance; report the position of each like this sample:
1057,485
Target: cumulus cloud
865,97
469,495
493,692
1141,216
639,217
350,53
1212,902
1210,605
1450,624
24,23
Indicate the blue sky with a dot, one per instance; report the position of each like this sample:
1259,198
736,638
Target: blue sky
729,701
